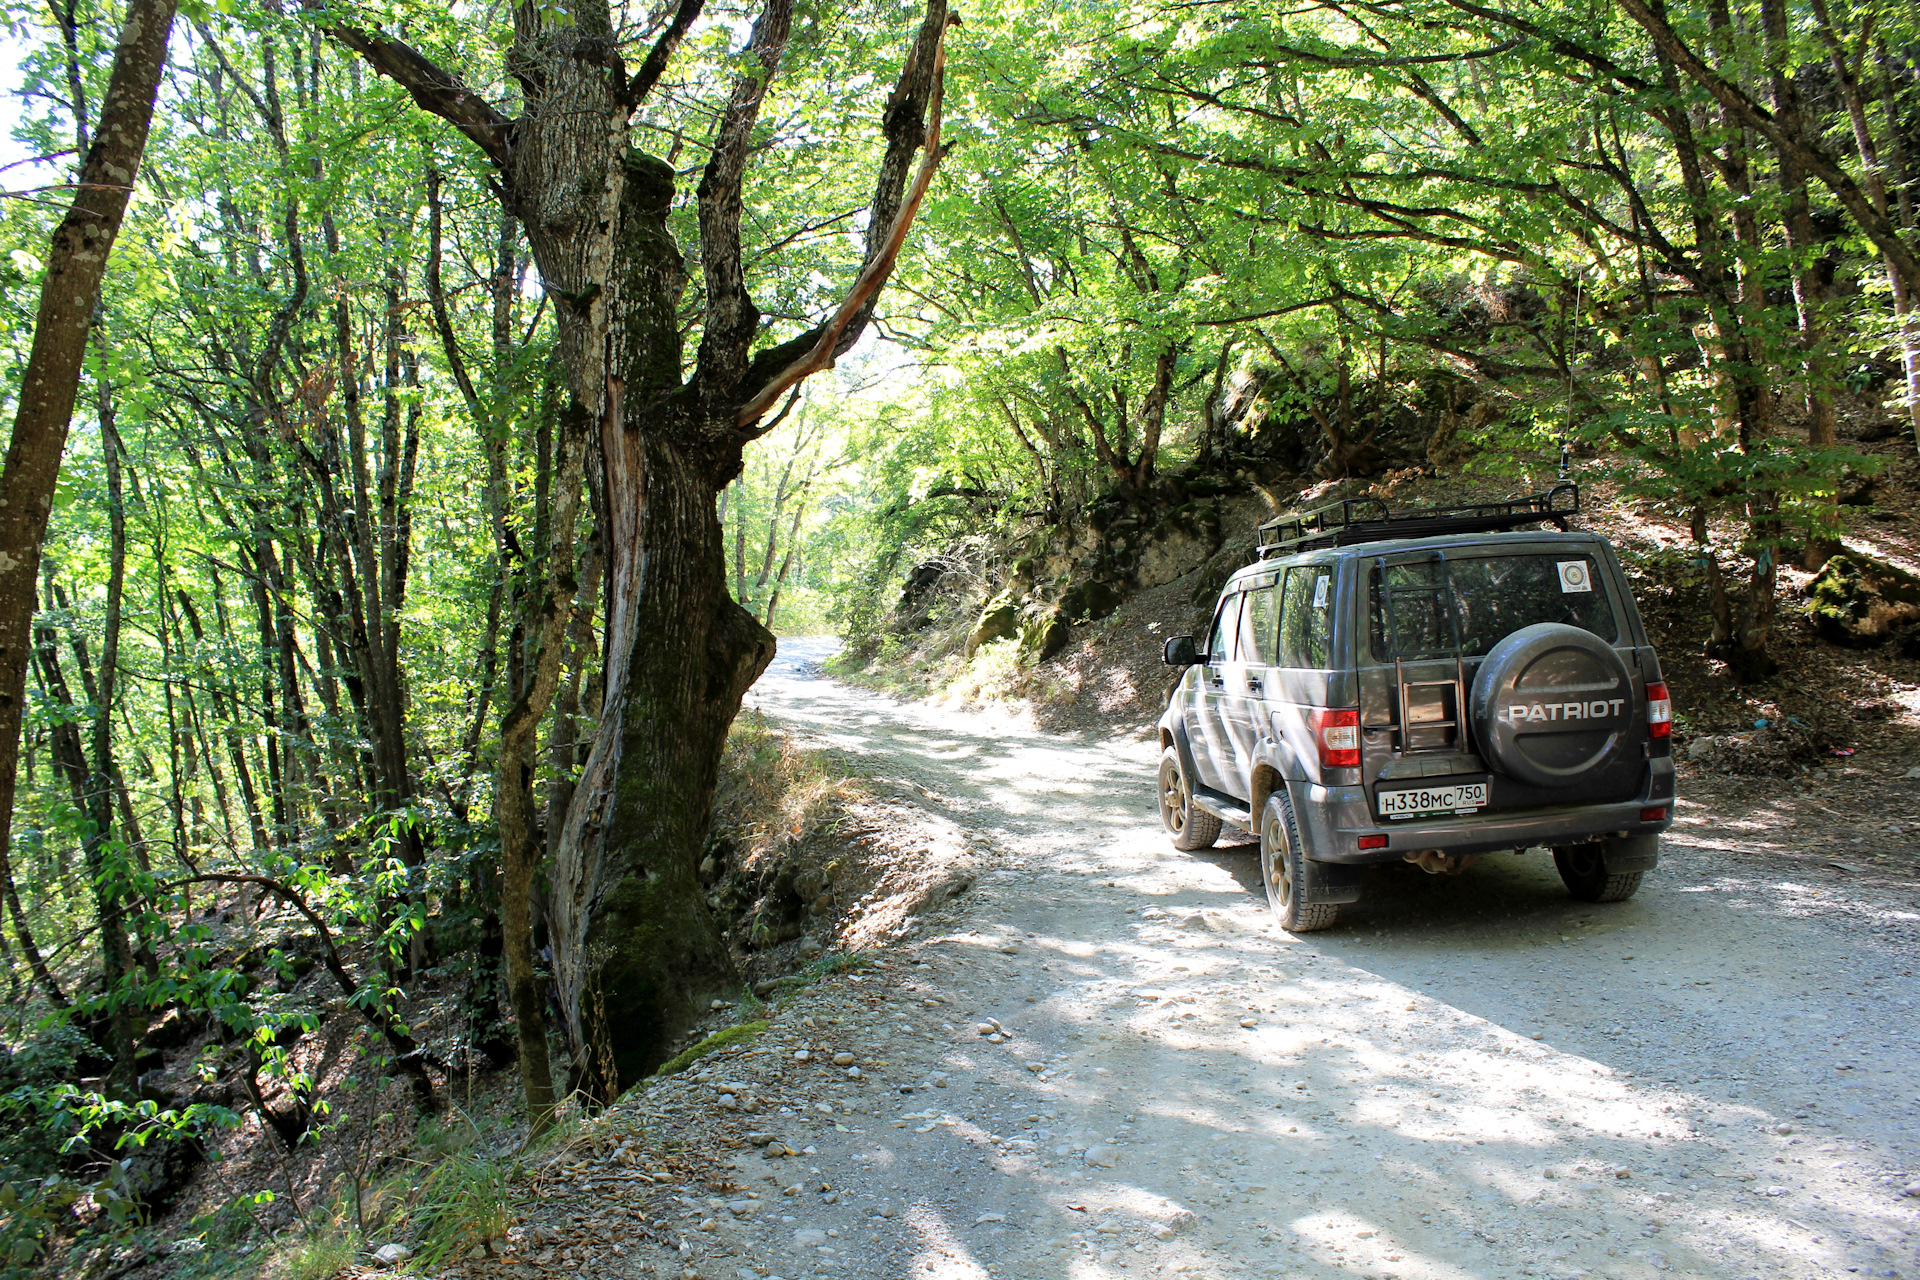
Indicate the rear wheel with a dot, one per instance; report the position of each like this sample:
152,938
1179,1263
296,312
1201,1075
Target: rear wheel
1584,869
1283,867
1190,826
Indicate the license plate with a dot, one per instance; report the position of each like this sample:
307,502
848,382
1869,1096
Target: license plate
1416,802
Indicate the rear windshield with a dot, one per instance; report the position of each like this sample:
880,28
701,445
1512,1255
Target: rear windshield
1487,598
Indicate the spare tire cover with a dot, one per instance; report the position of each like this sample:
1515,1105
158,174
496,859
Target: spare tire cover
1552,705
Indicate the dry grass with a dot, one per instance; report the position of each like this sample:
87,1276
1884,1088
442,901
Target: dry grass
773,795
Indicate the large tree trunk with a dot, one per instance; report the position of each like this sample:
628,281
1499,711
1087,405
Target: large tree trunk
636,951
76,263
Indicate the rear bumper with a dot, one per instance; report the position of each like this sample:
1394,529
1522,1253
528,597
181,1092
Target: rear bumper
1332,820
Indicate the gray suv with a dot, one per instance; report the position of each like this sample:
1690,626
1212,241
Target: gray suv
1422,687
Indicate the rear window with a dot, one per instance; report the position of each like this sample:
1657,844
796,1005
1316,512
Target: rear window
1416,607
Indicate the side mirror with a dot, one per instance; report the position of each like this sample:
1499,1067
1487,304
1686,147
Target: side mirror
1179,651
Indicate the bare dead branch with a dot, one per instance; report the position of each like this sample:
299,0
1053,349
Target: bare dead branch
879,264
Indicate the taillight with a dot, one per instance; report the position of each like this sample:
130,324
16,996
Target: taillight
1659,710
1337,734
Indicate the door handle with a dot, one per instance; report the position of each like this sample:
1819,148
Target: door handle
1217,680
1253,685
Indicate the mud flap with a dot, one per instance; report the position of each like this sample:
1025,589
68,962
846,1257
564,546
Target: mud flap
1185,748
1330,882
1633,853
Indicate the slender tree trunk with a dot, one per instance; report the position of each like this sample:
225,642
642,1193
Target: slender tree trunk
1809,292
1906,306
76,263
107,856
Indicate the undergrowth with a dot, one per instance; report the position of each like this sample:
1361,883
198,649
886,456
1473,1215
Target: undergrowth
463,1205
773,794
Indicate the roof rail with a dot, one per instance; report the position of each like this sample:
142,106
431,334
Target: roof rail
1354,520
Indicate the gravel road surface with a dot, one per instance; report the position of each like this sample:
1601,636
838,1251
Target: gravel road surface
1470,1076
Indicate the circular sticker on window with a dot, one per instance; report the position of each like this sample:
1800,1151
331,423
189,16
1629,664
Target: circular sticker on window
1575,576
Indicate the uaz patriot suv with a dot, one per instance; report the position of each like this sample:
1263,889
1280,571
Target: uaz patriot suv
1426,687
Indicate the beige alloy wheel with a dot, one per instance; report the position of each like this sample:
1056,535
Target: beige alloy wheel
1190,826
1281,867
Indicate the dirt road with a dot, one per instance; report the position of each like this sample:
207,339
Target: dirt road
1468,1077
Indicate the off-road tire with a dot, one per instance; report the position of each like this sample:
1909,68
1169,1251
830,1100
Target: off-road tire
1584,869
1283,868
1190,826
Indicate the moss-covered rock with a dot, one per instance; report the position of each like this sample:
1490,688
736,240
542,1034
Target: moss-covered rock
1090,601
1000,620
741,1034
1859,601
1178,543
1044,633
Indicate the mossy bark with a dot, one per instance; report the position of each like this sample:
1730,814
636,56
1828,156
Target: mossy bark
637,953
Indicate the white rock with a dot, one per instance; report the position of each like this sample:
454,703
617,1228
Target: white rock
1161,1231
853,1073
1249,1023
392,1255
843,1059
809,1238
1100,1156
1036,1067
802,1055
987,1028
989,1217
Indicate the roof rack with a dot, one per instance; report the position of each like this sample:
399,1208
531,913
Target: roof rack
1354,520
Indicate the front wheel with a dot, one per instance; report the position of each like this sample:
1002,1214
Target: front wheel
1283,867
1584,869
1190,826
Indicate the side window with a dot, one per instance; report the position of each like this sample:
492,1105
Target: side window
1306,618
1257,626
1220,647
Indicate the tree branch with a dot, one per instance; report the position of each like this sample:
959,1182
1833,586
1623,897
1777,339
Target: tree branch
432,87
731,317
1814,159
657,57
791,363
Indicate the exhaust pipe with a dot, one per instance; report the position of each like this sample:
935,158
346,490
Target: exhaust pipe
1437,863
